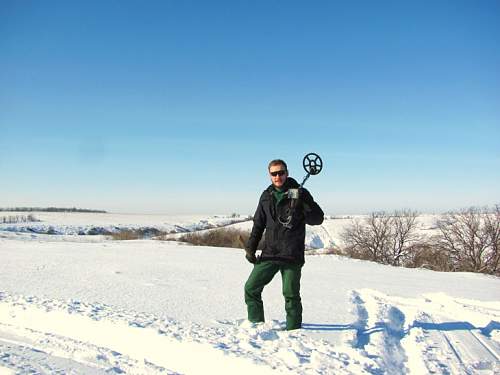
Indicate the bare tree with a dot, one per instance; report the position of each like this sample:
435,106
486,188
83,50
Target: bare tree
404,236
367,239
382,237
471,239
492,229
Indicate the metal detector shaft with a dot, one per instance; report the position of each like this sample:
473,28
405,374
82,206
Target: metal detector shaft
304,180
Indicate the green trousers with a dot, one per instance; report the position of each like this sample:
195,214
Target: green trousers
262,274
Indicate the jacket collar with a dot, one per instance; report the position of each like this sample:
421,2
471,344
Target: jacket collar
290,183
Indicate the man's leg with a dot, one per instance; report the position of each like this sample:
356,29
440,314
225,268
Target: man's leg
290,275
262,274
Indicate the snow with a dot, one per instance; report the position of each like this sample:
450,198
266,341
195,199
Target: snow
90,305
81,223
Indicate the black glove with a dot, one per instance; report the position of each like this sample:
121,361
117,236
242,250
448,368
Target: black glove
250,255
307,201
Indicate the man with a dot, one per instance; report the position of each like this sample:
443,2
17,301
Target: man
283,212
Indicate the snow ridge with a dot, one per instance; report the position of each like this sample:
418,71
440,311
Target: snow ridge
97,338
392,335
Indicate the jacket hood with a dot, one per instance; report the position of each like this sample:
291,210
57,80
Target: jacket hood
290,183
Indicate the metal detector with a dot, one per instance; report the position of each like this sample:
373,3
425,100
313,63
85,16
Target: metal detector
312,164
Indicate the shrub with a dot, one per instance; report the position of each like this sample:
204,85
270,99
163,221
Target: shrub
222,237
382,237
136,234
125,235
426,255
471,239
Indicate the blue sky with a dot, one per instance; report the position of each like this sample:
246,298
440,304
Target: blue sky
177,106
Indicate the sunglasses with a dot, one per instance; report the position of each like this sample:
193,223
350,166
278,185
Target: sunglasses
278,173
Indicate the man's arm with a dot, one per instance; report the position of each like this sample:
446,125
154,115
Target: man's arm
259,224
312,211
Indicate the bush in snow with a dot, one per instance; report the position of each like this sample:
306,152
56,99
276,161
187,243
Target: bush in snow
133,234
426,255
125,235
382,237
223,237
471,239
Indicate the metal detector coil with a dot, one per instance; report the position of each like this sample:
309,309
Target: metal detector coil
313,164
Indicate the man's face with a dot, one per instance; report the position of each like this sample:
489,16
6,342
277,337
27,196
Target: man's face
278,175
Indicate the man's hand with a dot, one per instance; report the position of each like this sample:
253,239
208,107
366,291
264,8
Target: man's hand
306,201
250,255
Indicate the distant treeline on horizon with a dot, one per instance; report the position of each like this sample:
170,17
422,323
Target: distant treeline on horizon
50,209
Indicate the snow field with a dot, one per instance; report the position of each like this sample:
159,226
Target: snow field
88,305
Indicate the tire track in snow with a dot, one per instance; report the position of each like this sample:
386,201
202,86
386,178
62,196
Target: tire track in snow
471,354
456,363
131,338
433,338
475,351
24,348
487,345
22,359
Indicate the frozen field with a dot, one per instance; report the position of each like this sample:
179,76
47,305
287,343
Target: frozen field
88,305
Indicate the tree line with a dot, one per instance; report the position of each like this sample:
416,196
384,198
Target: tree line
465,240
50,209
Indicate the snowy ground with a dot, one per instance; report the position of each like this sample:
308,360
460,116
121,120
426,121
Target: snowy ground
70,223
89,305
77,226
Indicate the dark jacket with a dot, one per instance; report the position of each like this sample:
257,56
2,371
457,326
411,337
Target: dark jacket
282,243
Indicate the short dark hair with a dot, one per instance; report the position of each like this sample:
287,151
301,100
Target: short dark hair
277,162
